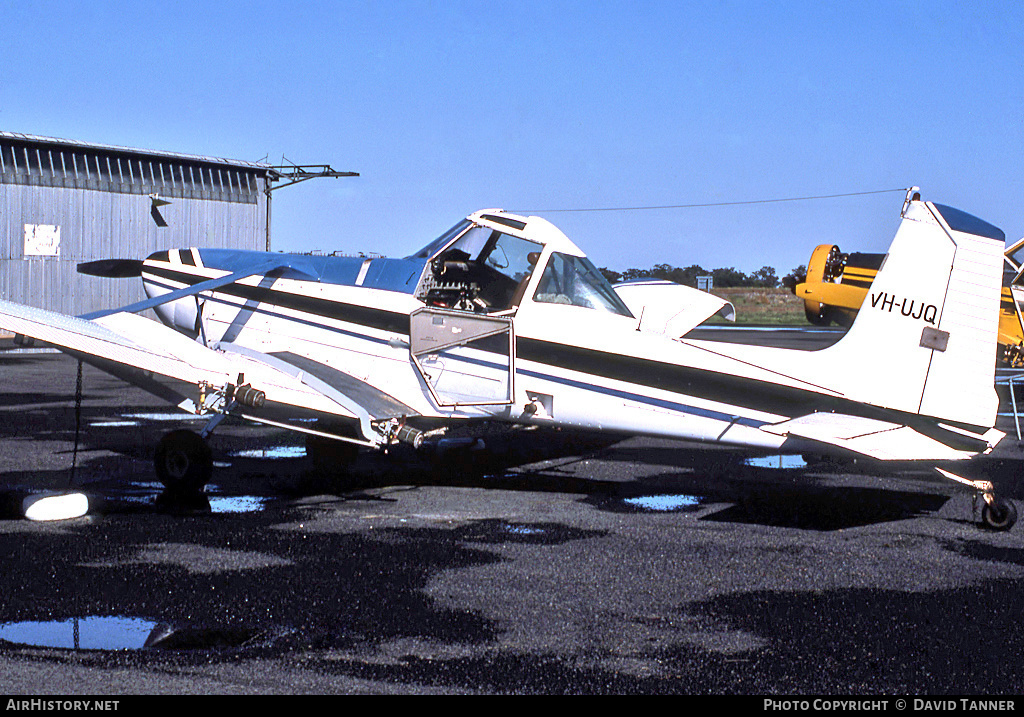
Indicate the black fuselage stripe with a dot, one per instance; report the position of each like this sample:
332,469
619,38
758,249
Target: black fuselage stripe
754,394
728,389
718,387
648,400
370,317
259,309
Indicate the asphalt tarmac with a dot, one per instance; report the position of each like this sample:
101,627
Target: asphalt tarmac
548,564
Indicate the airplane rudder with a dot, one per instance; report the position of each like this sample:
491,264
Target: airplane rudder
924,340
962,371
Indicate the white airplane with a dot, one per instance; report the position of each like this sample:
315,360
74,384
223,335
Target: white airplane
503,318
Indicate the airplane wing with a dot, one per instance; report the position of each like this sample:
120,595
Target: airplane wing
367,404
204,380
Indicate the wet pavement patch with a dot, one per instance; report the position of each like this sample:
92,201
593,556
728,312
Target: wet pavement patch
237,503
777,461
524,530
271,452
133,496
85,633
502,532
137,419
168,637
664,503
113,633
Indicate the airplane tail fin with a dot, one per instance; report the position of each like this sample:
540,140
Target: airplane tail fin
925,339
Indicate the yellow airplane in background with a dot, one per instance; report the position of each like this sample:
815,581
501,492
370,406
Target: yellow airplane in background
837,284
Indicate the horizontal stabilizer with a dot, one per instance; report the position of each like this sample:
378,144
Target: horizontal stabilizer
878,439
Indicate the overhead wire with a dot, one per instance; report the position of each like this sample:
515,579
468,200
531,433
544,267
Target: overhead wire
709,204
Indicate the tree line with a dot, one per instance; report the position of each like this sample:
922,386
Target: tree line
725,278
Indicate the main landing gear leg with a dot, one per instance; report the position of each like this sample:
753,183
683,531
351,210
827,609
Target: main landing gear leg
997,513
183,460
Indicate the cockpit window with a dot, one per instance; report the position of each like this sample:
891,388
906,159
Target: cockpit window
485,270
574,280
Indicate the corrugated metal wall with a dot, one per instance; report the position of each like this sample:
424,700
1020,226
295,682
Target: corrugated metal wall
99,202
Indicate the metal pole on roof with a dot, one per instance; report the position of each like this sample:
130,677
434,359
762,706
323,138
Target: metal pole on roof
267,192
297,173
301,172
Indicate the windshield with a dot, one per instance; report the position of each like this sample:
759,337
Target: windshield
484,270
433,247
574,280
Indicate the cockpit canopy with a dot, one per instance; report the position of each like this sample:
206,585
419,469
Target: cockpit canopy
574,280
488,262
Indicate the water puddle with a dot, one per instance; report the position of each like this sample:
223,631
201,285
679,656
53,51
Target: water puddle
135,419
523,530
113,633
664,503
783,461
272,452
237,504
202,503
84,633
142,494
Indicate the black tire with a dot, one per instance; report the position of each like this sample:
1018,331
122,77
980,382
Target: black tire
183,461
1001,514
821,317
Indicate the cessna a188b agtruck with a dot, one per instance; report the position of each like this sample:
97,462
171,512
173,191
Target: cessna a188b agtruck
503,318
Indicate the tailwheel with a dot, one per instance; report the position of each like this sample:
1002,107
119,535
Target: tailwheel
999,514
996,513
183,461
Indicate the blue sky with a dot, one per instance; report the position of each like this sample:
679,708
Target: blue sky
448,107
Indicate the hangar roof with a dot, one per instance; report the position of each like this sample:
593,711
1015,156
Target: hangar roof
52,141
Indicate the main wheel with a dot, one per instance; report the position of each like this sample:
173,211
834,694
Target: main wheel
1000,514
183,461
819,316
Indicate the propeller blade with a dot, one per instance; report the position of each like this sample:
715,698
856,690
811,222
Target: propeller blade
112,268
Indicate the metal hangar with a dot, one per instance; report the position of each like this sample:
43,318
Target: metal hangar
63,202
